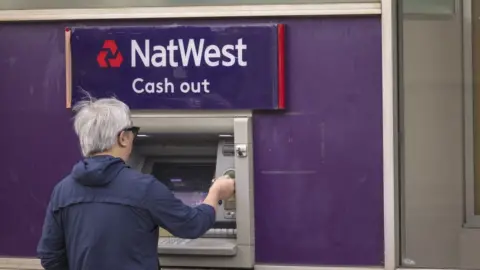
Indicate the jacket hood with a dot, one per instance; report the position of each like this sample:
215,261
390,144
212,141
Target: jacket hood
97,171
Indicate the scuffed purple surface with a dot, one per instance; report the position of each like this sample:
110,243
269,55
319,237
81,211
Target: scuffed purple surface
318,167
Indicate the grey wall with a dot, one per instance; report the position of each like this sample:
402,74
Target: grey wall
432,130
433,167
318,166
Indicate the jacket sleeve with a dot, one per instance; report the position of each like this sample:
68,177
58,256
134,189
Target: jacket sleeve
173,215
51,248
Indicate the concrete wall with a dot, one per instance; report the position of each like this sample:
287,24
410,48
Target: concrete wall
433,139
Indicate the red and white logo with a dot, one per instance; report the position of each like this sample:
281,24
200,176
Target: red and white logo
109,55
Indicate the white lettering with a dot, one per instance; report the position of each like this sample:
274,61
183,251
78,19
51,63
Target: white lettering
134,86
205,85
184,87
240,47
171,52
195,87
139,86
150,87
191,49
143,56
159,58
212,55
191,52
227,52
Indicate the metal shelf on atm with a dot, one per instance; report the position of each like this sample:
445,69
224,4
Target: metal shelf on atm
221,233
201,246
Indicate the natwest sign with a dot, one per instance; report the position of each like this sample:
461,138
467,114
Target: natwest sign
185,53
181,67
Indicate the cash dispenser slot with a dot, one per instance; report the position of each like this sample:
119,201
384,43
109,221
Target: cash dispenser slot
185,154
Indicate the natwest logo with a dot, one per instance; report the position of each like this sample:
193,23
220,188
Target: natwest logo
187,52
114,59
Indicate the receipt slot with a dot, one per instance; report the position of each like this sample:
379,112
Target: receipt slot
185,151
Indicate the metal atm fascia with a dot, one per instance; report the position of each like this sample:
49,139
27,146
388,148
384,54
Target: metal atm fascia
220,124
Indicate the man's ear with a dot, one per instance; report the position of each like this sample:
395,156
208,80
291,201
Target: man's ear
122,139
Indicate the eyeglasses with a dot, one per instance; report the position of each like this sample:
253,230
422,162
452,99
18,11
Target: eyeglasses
133,129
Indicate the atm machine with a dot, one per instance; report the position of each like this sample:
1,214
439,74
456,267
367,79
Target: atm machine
186,151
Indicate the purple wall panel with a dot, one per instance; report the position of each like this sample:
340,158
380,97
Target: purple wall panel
322,162
318,181
38,143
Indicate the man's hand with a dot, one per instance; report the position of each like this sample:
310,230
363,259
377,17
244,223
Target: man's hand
224,187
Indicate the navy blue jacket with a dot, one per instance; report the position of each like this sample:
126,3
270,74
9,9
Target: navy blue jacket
105,216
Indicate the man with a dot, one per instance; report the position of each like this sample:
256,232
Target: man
105,215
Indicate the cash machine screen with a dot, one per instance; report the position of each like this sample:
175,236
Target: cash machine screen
188,181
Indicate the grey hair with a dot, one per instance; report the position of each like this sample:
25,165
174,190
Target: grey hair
97,123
